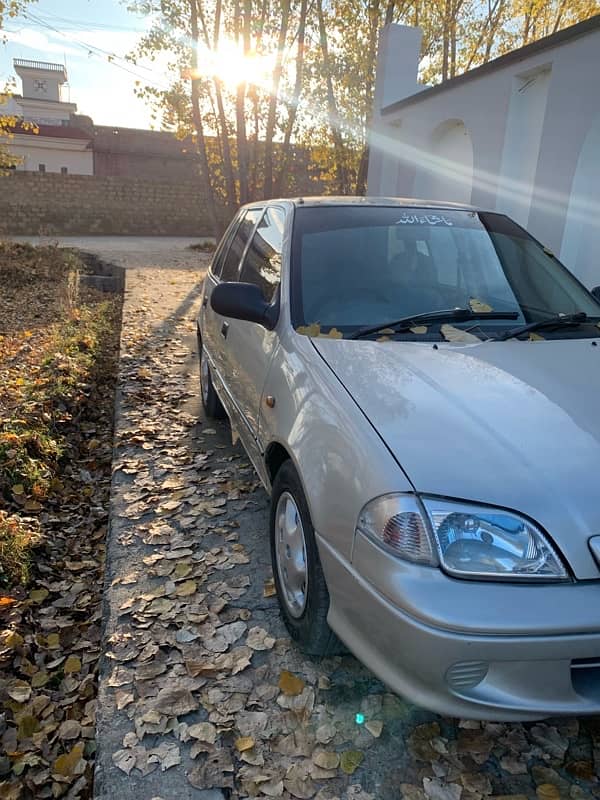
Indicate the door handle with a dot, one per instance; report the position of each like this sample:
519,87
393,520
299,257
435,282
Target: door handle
224,329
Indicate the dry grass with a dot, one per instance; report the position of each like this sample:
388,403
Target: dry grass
52,341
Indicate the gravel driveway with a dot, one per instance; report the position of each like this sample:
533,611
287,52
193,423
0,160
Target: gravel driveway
202,693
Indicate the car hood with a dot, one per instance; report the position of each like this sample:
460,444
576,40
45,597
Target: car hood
513,424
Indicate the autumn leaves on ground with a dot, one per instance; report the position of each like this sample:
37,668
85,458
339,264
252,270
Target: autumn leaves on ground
58,356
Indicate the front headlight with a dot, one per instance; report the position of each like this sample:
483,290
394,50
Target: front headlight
471,541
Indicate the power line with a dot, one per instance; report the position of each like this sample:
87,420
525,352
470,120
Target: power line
81,24
97,51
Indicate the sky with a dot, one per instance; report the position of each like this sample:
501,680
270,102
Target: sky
82,34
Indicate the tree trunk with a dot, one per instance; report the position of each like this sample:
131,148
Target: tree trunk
240,112
334,118
293,105
230,188
272,112
203,163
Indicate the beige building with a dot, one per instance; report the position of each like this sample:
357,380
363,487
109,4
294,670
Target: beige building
58,145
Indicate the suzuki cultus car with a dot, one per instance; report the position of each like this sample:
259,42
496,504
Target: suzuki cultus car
418,386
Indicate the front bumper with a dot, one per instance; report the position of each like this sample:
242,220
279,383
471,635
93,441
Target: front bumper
471,650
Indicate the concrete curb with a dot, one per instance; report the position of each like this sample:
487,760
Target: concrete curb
103,276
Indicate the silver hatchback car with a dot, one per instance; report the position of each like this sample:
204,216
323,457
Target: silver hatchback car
417,386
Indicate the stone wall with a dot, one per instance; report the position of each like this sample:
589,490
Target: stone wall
53,204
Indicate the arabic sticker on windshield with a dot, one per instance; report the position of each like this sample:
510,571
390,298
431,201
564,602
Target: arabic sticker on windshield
424,219
447,219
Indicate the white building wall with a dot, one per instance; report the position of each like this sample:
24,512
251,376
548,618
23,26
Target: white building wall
517,138
54,156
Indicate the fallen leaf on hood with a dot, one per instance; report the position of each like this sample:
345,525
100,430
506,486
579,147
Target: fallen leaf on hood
333,333
314,329
535,337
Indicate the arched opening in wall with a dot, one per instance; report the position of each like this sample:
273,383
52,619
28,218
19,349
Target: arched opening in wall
446,168
581,237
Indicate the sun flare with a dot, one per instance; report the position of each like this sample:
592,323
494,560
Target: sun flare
233,67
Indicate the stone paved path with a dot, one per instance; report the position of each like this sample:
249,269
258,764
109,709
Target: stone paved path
202,694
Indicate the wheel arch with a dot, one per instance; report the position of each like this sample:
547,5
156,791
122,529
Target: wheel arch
275,456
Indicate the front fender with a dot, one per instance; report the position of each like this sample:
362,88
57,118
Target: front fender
340,458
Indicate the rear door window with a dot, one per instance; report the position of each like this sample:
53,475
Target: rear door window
221,251
231,262
262,265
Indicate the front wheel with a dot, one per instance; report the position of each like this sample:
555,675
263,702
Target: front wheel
213,407
301,588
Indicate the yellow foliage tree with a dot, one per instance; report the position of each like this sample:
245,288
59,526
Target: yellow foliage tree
9,122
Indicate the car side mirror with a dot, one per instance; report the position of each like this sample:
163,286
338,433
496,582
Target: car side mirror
596,293
243,301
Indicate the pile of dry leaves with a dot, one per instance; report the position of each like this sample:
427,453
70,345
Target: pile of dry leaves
58,355
201,686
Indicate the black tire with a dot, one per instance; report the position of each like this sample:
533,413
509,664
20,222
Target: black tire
310,630
213,408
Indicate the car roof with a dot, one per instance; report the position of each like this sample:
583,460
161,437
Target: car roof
333,200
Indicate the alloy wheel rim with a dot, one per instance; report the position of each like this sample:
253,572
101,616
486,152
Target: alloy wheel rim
204,374
290,553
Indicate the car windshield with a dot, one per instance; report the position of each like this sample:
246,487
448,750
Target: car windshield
361,266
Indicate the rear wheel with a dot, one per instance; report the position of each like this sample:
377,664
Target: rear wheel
299,580
213,408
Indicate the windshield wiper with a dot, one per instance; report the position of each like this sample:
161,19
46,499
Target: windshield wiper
447,315
553,322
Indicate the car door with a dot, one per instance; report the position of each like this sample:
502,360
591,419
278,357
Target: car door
250,347
225,267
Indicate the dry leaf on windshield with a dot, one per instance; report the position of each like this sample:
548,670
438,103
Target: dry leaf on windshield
452,334
479,307
332,333
535,337
314,329
419,329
